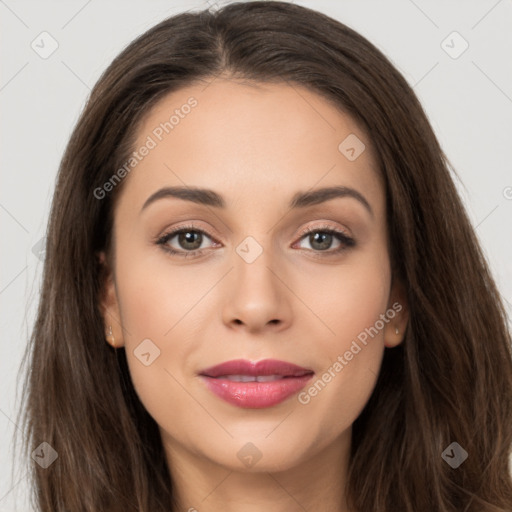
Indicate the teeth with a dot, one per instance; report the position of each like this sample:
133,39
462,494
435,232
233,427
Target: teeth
268,378
251,378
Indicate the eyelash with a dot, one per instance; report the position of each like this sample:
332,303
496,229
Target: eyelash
346,241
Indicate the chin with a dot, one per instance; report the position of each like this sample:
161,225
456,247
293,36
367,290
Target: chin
258,456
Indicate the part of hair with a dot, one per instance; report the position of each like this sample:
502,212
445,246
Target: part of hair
451,378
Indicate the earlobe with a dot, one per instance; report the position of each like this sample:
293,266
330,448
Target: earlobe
398,315
108,304
394,337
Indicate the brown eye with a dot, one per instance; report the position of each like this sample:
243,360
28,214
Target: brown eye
321,240
188,241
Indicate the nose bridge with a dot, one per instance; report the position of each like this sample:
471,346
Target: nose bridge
254,258
255,290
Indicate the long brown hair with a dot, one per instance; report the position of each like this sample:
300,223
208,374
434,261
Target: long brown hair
449,381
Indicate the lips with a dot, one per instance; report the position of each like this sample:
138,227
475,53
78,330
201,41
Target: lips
267,367
255,384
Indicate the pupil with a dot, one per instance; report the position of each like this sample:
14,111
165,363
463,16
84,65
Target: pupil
187,237
323,237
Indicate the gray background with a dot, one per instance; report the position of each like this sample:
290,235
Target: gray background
468,100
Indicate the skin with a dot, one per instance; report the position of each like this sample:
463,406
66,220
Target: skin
256,145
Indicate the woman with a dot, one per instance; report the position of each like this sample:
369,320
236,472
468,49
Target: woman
332,339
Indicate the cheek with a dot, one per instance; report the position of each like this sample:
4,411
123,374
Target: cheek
158,304
157,295
351,351
351,298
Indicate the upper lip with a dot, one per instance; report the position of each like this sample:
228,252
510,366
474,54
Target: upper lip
264,367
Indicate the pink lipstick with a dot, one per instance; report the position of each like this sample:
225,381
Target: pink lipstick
255,385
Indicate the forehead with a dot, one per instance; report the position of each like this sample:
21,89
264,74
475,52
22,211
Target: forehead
248,140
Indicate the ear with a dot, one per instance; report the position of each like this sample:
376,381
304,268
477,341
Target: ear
398,313
108,303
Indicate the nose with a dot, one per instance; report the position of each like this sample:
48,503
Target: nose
257,296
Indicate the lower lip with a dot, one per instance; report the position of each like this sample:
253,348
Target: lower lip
256,395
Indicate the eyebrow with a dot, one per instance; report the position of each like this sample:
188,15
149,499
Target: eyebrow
209,197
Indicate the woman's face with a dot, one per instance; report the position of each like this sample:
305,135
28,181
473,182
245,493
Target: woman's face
260,288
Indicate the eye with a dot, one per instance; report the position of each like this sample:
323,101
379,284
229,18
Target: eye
189,240
321,239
